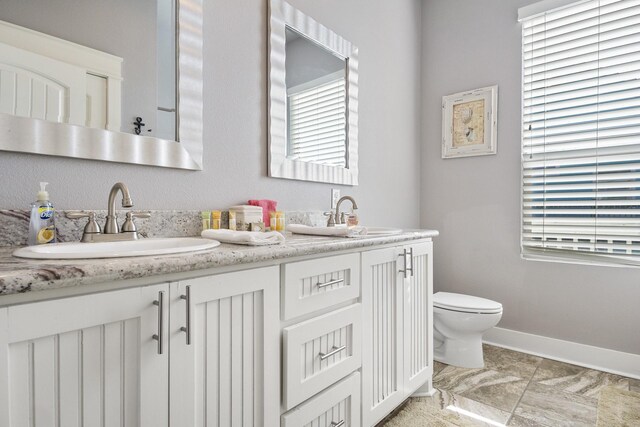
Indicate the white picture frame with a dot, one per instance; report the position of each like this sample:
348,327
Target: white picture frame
470,123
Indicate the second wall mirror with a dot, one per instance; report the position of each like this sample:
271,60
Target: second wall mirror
313,100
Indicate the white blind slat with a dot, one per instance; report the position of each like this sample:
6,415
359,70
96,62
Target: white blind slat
317,124
581,129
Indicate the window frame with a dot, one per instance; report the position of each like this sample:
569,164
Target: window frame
550,254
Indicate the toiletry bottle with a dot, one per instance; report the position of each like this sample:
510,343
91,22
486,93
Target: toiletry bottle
273,222
42,226
206,220
216,216
280,221
232,221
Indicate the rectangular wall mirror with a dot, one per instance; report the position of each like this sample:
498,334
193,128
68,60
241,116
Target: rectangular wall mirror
117,81
313,105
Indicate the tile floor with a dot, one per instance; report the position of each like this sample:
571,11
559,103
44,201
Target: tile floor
514,389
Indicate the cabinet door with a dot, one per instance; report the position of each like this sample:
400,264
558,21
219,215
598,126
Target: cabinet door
85,361
418,317
229,372
382,355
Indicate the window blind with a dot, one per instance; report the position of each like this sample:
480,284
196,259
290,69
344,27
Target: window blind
581,130
317,123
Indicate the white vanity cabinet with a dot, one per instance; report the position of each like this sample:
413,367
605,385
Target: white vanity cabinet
228,372
397,333
85,361
93,360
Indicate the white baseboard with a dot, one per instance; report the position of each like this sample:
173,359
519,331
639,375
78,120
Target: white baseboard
602,359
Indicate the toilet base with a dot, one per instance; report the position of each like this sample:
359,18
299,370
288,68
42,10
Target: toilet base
464,353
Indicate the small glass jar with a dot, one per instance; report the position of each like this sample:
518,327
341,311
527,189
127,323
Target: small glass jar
216,216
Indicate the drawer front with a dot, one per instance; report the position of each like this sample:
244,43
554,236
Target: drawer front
319,283
339,405
319,352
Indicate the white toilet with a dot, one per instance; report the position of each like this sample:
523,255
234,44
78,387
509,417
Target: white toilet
459,322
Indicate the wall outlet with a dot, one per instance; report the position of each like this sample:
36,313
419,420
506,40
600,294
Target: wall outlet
335,196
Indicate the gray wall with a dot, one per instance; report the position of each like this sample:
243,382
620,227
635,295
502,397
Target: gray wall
235,123
475,202
123,28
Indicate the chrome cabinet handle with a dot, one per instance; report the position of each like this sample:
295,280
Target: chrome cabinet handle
332,282
187,298
407,269
334,350
160,335
411,259
336,424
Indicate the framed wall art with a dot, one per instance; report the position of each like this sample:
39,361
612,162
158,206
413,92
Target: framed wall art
470,123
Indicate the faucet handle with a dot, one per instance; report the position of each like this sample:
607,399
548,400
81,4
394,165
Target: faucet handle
128,226
92,226
331,221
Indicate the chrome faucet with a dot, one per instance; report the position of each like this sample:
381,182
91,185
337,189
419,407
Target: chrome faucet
111,232
111,225
340,216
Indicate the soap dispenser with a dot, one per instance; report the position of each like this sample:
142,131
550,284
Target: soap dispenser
42,226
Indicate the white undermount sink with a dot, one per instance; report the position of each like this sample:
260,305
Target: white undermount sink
142,247
375,231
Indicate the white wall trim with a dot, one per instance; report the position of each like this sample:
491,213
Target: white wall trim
602,359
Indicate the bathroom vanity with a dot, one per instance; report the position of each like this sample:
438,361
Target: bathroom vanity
328,330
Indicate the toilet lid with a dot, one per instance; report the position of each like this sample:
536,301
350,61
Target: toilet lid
465,303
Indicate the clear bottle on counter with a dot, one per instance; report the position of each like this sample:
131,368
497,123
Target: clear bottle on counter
273,222
232,221
206,220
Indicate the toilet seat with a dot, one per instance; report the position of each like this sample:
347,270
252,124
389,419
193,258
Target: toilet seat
465,303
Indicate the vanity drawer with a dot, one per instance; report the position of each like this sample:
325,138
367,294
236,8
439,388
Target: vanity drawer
338,404
319,352
312,285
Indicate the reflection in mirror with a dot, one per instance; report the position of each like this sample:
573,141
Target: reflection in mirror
91,63
87,70
313,99
316,102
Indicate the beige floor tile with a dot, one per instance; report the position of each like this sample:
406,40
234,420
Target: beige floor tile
437,367
576,379
618,408
469,408
634,385
510,362
419,413
550,406
486,386
518,421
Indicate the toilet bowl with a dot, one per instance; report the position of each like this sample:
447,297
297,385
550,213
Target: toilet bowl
459,322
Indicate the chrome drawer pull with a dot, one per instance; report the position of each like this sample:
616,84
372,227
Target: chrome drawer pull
335,424
160,335
335,350
187,299
332,282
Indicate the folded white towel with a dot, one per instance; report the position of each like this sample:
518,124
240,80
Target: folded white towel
327,231
253,238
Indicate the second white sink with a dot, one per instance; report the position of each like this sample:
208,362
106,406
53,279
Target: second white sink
142,247
378,231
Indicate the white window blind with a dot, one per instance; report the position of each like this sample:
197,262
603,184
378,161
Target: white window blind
581,131
317,123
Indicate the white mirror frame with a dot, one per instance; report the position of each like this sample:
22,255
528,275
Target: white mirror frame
60,139
283,15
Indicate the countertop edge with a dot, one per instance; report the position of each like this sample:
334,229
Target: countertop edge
21,276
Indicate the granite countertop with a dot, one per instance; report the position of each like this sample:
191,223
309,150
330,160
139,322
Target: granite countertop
19,275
